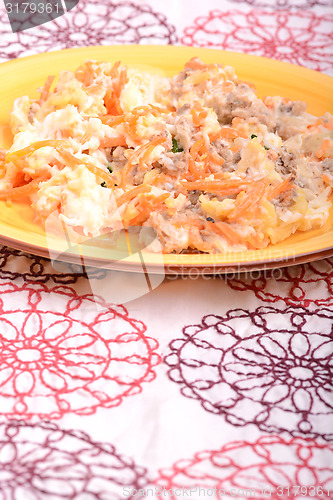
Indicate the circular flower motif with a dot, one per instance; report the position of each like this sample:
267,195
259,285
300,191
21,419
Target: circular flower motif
270,368
92,22
16,264
300,37
265,468
76,360
288,4
294,285
40,461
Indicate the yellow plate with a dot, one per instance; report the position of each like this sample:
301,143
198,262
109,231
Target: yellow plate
23,76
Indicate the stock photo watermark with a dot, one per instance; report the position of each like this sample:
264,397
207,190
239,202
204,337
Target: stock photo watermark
206,492
24,15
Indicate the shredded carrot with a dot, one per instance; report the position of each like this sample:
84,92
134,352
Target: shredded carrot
131,126
326,179
196,241
286,185
20,192
146,150
199,114
85,73
220,187
112,95
150,109
146,205
196,222
139,219
73,161
111,142
124,173
132,193
248,202
133,120
215,158
143,110
13,155
234,238
235,148
321,121
160,198
227,133
45,90
99,173
140,156
323,151
199,151
239,124
199,145
86,136
110,102
111,120
195,171
273,154
225,230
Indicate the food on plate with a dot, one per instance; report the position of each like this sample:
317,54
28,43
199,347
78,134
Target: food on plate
197,157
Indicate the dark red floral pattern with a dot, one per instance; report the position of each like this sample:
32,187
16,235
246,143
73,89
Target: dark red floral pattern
267,467
93,22
305,284
61,353
300,37
31,268
269,367
287,4
45,462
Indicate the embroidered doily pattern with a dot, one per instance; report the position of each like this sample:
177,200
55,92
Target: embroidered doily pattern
31,268
95,22
306,284
69,358
45,462
269,367
300,37
266,468
286,4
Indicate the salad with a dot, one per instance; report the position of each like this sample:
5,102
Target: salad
197,157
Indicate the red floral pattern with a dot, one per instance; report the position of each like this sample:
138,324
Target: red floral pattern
267,467
31,268
270,368
39,462
93,22
300,37
87,356
305,284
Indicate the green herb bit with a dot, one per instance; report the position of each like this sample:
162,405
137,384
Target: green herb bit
254,136
210,219
175,147
104,184
109,168
266,147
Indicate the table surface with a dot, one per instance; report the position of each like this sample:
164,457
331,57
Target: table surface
205,386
